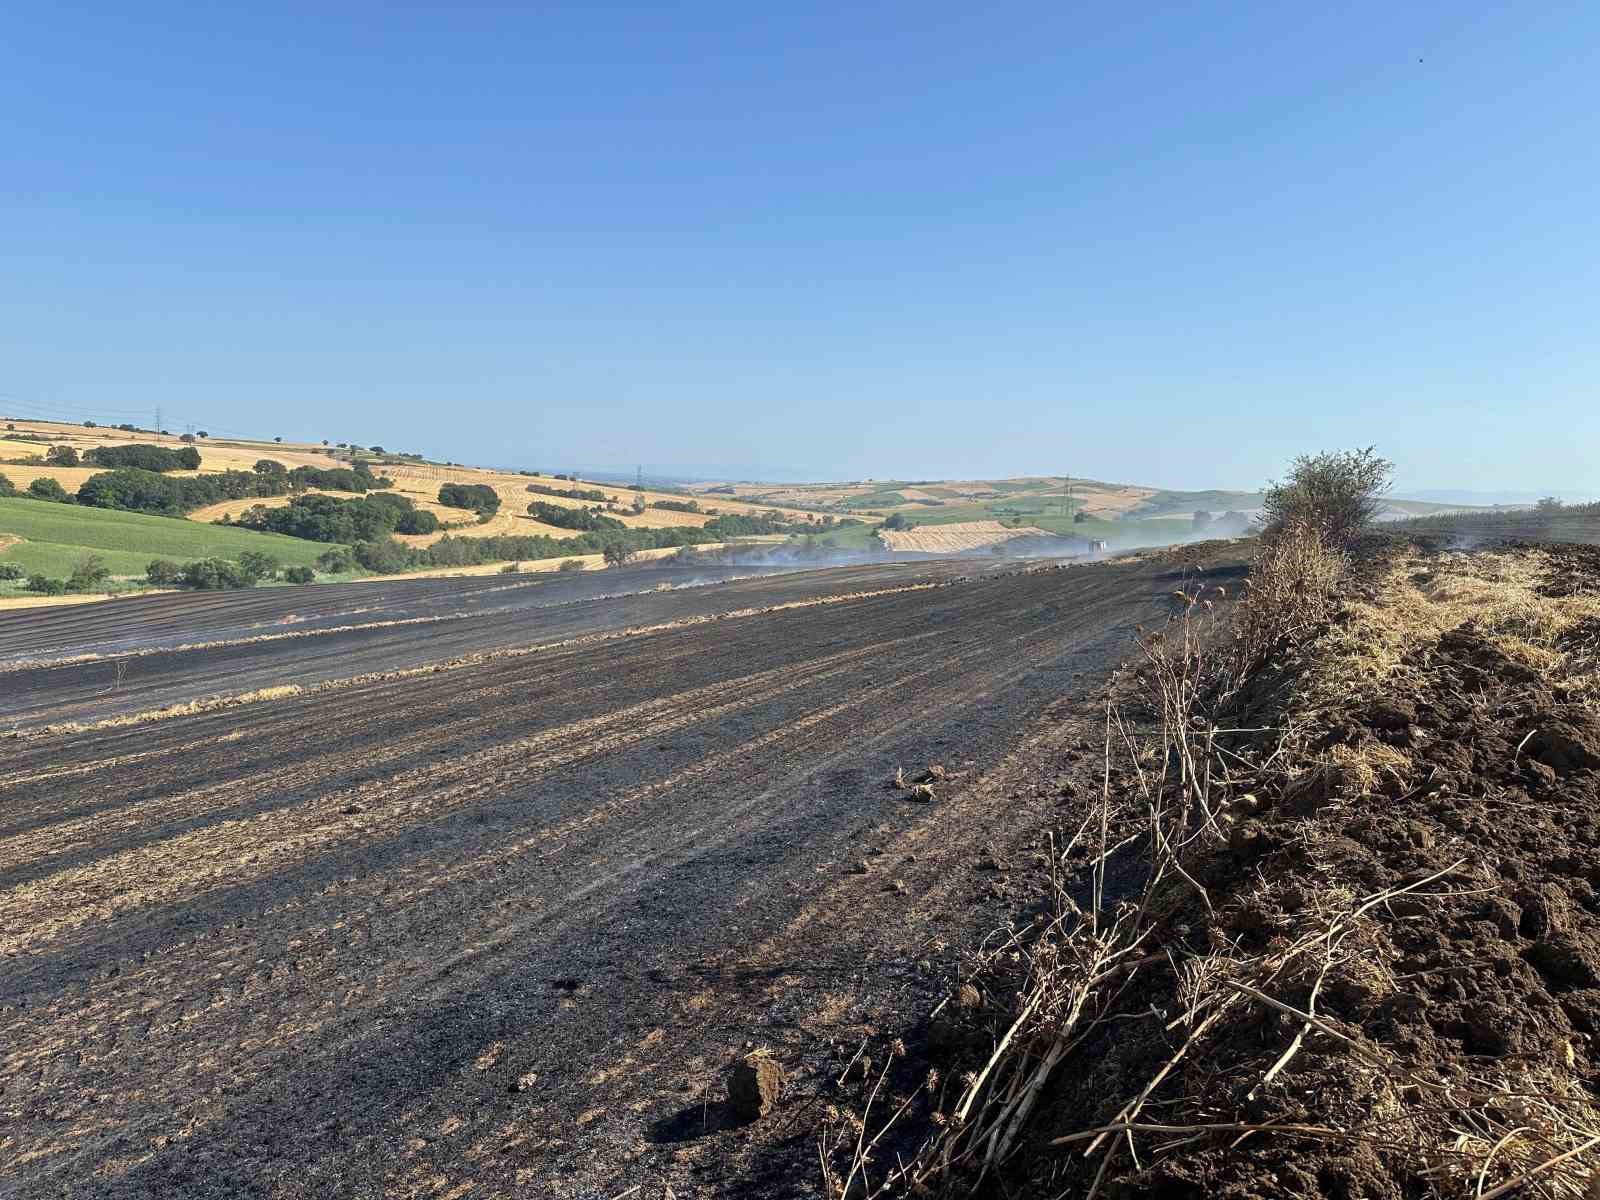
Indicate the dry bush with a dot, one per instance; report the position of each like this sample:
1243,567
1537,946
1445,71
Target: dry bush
1336,492
1289,592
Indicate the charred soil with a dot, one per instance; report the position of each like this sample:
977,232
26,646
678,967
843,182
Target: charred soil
1378,972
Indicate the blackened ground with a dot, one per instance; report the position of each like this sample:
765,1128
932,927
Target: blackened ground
93,661
500,929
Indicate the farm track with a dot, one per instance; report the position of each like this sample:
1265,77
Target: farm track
308,947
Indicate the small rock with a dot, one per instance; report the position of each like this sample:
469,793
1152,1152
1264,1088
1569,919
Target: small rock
935,773
897,886
968,996
861,868
351,810
923,793
755,1084
525,1081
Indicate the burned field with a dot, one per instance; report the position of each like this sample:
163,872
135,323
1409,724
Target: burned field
499,914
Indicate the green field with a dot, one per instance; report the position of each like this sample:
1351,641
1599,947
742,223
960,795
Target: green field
851,537
57,536
1188,503
884,499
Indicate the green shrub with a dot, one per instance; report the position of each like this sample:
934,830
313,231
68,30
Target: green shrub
45,488
330,519
132,489
215,575
11,571
61,456
513,568
582,519
336,562
144,458
258,566
89,574
163,572
7,488
478,497
46,586
571,564
299,574
384,556
618,554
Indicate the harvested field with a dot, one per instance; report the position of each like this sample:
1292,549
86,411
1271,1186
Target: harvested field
496,926
957,538
1579,524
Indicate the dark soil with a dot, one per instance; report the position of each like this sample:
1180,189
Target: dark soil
1495,967
502,929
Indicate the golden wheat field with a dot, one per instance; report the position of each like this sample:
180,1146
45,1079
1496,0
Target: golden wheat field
418,482
954,538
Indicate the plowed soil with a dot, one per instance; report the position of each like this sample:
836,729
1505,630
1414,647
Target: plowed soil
498,928
1436,749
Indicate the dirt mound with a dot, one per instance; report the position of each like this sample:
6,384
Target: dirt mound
1382,979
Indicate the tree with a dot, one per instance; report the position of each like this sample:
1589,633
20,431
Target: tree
45,488
46,586
11,572
617,553
214,575
1338,493
144,457
89,425
163,572
1202,521
277,439
7,488
571,564
89,573
203,434
188,437
269,466
384,556
258,566
61,456
896,521
478,497
1548,506
299,575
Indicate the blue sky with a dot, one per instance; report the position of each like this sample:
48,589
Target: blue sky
1163,244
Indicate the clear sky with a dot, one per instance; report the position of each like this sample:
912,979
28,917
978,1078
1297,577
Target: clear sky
1151,243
